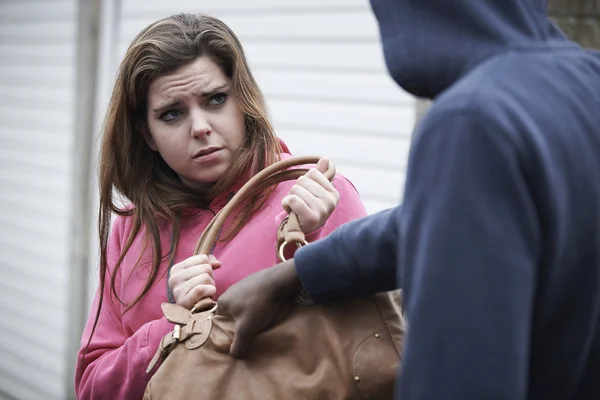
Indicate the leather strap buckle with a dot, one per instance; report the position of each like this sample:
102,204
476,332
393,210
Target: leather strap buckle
282,248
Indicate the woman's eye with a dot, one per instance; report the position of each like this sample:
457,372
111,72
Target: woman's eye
170,115
218,99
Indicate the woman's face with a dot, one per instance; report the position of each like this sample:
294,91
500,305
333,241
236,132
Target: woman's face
195,121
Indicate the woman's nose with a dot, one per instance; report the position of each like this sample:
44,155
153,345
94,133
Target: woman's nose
200,125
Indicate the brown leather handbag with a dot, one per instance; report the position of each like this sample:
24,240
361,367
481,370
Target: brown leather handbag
346,350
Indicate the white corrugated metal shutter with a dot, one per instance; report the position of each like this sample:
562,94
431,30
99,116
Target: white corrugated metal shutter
37,72
320,65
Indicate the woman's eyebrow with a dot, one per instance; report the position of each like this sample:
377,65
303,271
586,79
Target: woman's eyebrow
166,106
204,93
212,91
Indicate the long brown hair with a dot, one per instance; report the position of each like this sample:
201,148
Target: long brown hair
127,164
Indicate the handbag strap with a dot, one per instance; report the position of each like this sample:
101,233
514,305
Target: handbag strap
272,175
289,230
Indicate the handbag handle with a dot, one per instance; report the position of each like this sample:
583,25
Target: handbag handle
272,175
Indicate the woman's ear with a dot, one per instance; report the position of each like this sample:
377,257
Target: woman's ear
142,127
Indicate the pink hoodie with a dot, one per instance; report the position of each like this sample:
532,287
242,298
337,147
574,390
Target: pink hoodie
123,344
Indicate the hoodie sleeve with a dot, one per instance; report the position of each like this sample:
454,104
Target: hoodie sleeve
114,366
356,259
469,256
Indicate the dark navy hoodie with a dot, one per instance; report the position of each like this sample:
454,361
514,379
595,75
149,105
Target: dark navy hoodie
497,242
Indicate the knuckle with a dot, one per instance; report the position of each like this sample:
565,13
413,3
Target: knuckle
205,278
313,173
174,281
175,269
209,290
323,215
294,190
201,259
205,269
199,291
313,218
305,182
333,201
209,275
177,294
330,209
325,206
294,200
311,191
204,290
334,192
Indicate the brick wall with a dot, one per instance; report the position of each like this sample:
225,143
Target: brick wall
580,19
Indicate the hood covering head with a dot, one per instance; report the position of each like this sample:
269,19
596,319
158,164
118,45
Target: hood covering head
429,44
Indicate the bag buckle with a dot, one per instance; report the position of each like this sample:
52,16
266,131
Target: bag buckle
199,308
282,247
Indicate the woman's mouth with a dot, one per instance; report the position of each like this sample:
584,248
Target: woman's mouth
208,154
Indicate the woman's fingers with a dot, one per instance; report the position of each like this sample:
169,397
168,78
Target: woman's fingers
198,293
193,271
197,260
199,280
191,261
313,187
189,292
216,264
318,177
313,198
323,164
318,198
306,214
193,279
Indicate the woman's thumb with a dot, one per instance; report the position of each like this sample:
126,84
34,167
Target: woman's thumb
323,164
214,263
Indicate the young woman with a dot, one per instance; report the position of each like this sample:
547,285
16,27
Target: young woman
186,127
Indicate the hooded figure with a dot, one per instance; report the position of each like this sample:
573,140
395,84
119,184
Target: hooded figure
497,243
